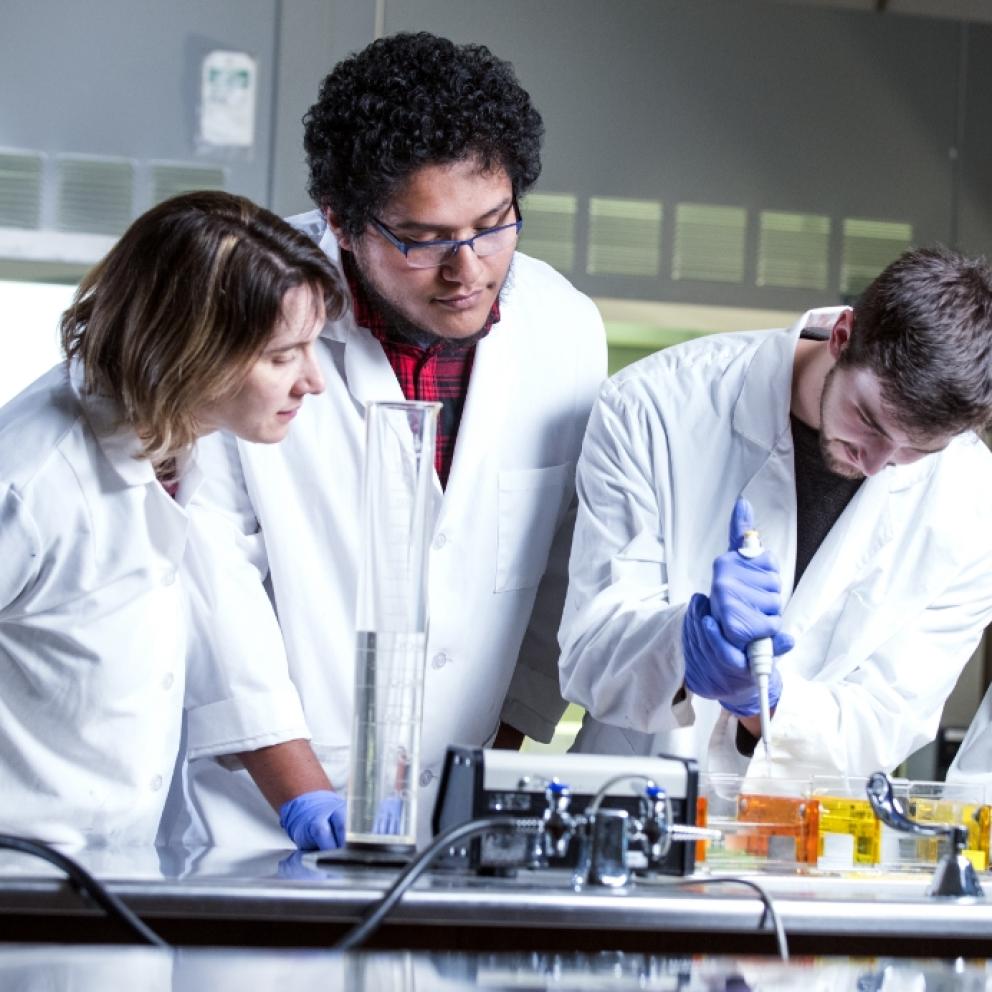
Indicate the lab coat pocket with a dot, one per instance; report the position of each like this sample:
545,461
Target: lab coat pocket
529,501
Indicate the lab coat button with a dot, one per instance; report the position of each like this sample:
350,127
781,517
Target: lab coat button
440,541
426,778
168,576
439,660
168,680
156,783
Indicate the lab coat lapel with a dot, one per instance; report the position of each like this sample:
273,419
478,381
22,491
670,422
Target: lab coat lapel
851,548
489,393
367,370
772,495
847,553
761,416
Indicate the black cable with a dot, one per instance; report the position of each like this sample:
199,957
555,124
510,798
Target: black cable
85,884
766,900
374,916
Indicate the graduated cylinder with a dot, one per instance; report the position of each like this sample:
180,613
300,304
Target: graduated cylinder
391,623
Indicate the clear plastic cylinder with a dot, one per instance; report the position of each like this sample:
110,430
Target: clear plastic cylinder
391,623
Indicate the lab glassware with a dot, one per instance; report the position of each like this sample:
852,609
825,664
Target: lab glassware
391,623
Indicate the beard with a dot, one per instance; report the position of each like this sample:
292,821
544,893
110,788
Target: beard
835,465
401,326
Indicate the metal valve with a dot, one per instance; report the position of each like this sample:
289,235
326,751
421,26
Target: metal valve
656,830
559,824
608,834
955,875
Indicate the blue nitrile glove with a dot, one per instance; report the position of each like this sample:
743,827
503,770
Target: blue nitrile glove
715,669
744,605
746,594
389,816
314,820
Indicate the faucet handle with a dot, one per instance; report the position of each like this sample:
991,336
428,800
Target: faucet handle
890,811
955,875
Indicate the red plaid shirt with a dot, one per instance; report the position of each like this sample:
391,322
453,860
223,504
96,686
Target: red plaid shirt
437,373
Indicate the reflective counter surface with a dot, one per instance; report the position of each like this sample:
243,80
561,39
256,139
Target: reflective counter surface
222,897
31,968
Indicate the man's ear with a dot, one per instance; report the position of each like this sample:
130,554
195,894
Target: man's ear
340,235
840,333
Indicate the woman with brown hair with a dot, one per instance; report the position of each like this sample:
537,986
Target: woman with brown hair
202,317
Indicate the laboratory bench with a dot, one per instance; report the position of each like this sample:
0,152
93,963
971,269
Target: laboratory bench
280,899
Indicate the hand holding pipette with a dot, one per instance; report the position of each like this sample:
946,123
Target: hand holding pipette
760,655
744,606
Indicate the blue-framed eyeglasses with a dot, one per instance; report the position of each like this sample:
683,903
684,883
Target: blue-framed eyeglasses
431,254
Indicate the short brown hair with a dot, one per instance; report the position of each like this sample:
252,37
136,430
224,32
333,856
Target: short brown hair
175,314
924,327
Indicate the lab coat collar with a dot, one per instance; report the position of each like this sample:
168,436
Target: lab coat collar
120,445
367,371
758,415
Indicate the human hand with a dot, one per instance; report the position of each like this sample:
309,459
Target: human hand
746,593
389,816
717,669
314,820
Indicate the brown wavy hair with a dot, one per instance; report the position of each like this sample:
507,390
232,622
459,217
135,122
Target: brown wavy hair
183,304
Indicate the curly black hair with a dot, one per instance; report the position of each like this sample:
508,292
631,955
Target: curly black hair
412,100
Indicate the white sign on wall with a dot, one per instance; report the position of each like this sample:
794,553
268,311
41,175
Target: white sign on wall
228,85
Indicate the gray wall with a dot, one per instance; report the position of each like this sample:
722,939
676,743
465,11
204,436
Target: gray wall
758,105
120,78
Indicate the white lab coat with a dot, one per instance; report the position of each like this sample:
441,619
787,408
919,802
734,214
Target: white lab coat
972,764
504,521
885,615
92,622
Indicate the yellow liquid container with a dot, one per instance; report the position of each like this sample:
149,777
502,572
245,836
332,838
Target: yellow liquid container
940,802
850,836
846,817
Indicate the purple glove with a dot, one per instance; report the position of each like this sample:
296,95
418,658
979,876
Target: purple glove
314,820
715,669
389,816
746,594
744,605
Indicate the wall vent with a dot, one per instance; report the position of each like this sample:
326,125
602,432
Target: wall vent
549,228
170,179
20,190
794,250
95,195
869,246
709,243
624,237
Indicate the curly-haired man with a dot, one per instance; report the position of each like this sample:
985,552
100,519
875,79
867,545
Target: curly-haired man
419,151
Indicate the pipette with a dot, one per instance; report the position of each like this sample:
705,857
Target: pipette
759,653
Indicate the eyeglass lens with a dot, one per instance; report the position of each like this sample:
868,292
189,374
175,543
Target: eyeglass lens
484,244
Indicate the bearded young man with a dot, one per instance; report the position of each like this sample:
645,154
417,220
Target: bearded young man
419,151
848,441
